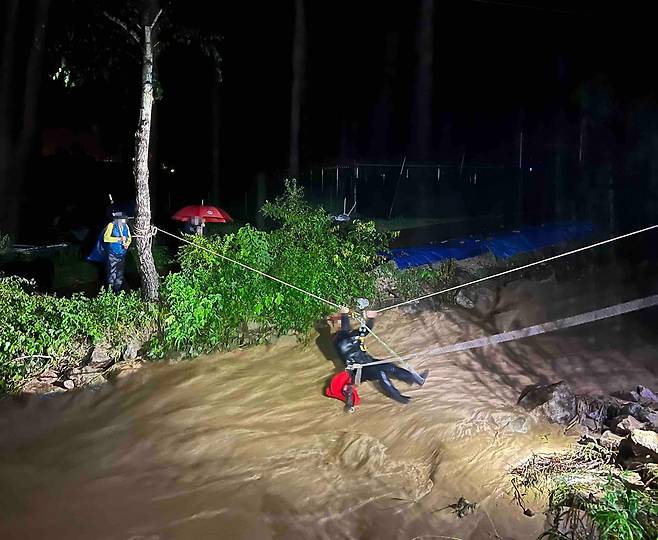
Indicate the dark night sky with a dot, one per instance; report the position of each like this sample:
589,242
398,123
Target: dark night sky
491,61
497,66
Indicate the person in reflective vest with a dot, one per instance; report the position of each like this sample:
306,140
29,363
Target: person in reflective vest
117,241
351,348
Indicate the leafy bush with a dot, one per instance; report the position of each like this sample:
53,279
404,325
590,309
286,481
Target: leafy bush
590,495
617,512
210,303
625,513
38,330
213,303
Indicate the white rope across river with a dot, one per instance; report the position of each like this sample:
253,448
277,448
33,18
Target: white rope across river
498,338
538,329
525,266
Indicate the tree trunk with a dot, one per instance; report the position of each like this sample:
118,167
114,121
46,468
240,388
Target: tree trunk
520,196
298,60
155,173
579,208
147,271
423,103
560,147
380,130
652,205
25,142
154,162
7,64
261,195
215,138
6,119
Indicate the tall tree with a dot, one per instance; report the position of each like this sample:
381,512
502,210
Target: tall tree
143,36
296,94
383,109
7,71
6,119
147,271
422,120
15,148
560,142
139,22
215,138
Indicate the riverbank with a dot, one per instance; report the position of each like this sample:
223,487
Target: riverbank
244,444
98,362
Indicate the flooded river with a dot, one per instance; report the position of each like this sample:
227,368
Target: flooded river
244,445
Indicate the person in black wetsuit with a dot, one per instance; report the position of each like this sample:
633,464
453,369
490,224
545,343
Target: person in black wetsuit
350,345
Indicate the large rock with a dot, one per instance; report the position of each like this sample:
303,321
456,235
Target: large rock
645,441
600,408
555,401
132,349
45,383
83,376
641,394
651,421
643,414
590,423
484,298
646,395
641,446
627,395
464,301
100,357
625,424
610,440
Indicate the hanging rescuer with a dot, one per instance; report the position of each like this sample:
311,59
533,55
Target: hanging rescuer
351,347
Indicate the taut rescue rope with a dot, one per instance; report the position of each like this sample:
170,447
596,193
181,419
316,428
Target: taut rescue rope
397,357
312,295
554,257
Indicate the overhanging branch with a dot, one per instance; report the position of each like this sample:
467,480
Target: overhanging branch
123,25
155,20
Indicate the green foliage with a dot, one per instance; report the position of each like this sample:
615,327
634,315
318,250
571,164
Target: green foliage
625,514
213,303
590,495
37,330
210,303
162,258
616,513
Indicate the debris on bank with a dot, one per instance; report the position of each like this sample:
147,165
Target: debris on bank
606,486
100,364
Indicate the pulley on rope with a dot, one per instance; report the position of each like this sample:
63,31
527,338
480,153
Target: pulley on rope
346,216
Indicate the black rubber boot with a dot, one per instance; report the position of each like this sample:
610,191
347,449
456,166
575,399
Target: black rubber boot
420,379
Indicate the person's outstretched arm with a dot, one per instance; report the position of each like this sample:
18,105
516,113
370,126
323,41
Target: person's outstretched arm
370,319
345,325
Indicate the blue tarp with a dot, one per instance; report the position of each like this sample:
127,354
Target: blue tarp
502,245
99,253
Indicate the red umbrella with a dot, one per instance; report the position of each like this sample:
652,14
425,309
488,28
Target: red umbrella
208,213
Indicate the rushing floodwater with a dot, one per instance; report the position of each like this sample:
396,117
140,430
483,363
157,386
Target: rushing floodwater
244,445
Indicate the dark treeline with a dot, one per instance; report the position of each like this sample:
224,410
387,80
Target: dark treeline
311,84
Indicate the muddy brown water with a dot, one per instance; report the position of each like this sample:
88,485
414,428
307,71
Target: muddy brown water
244,445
